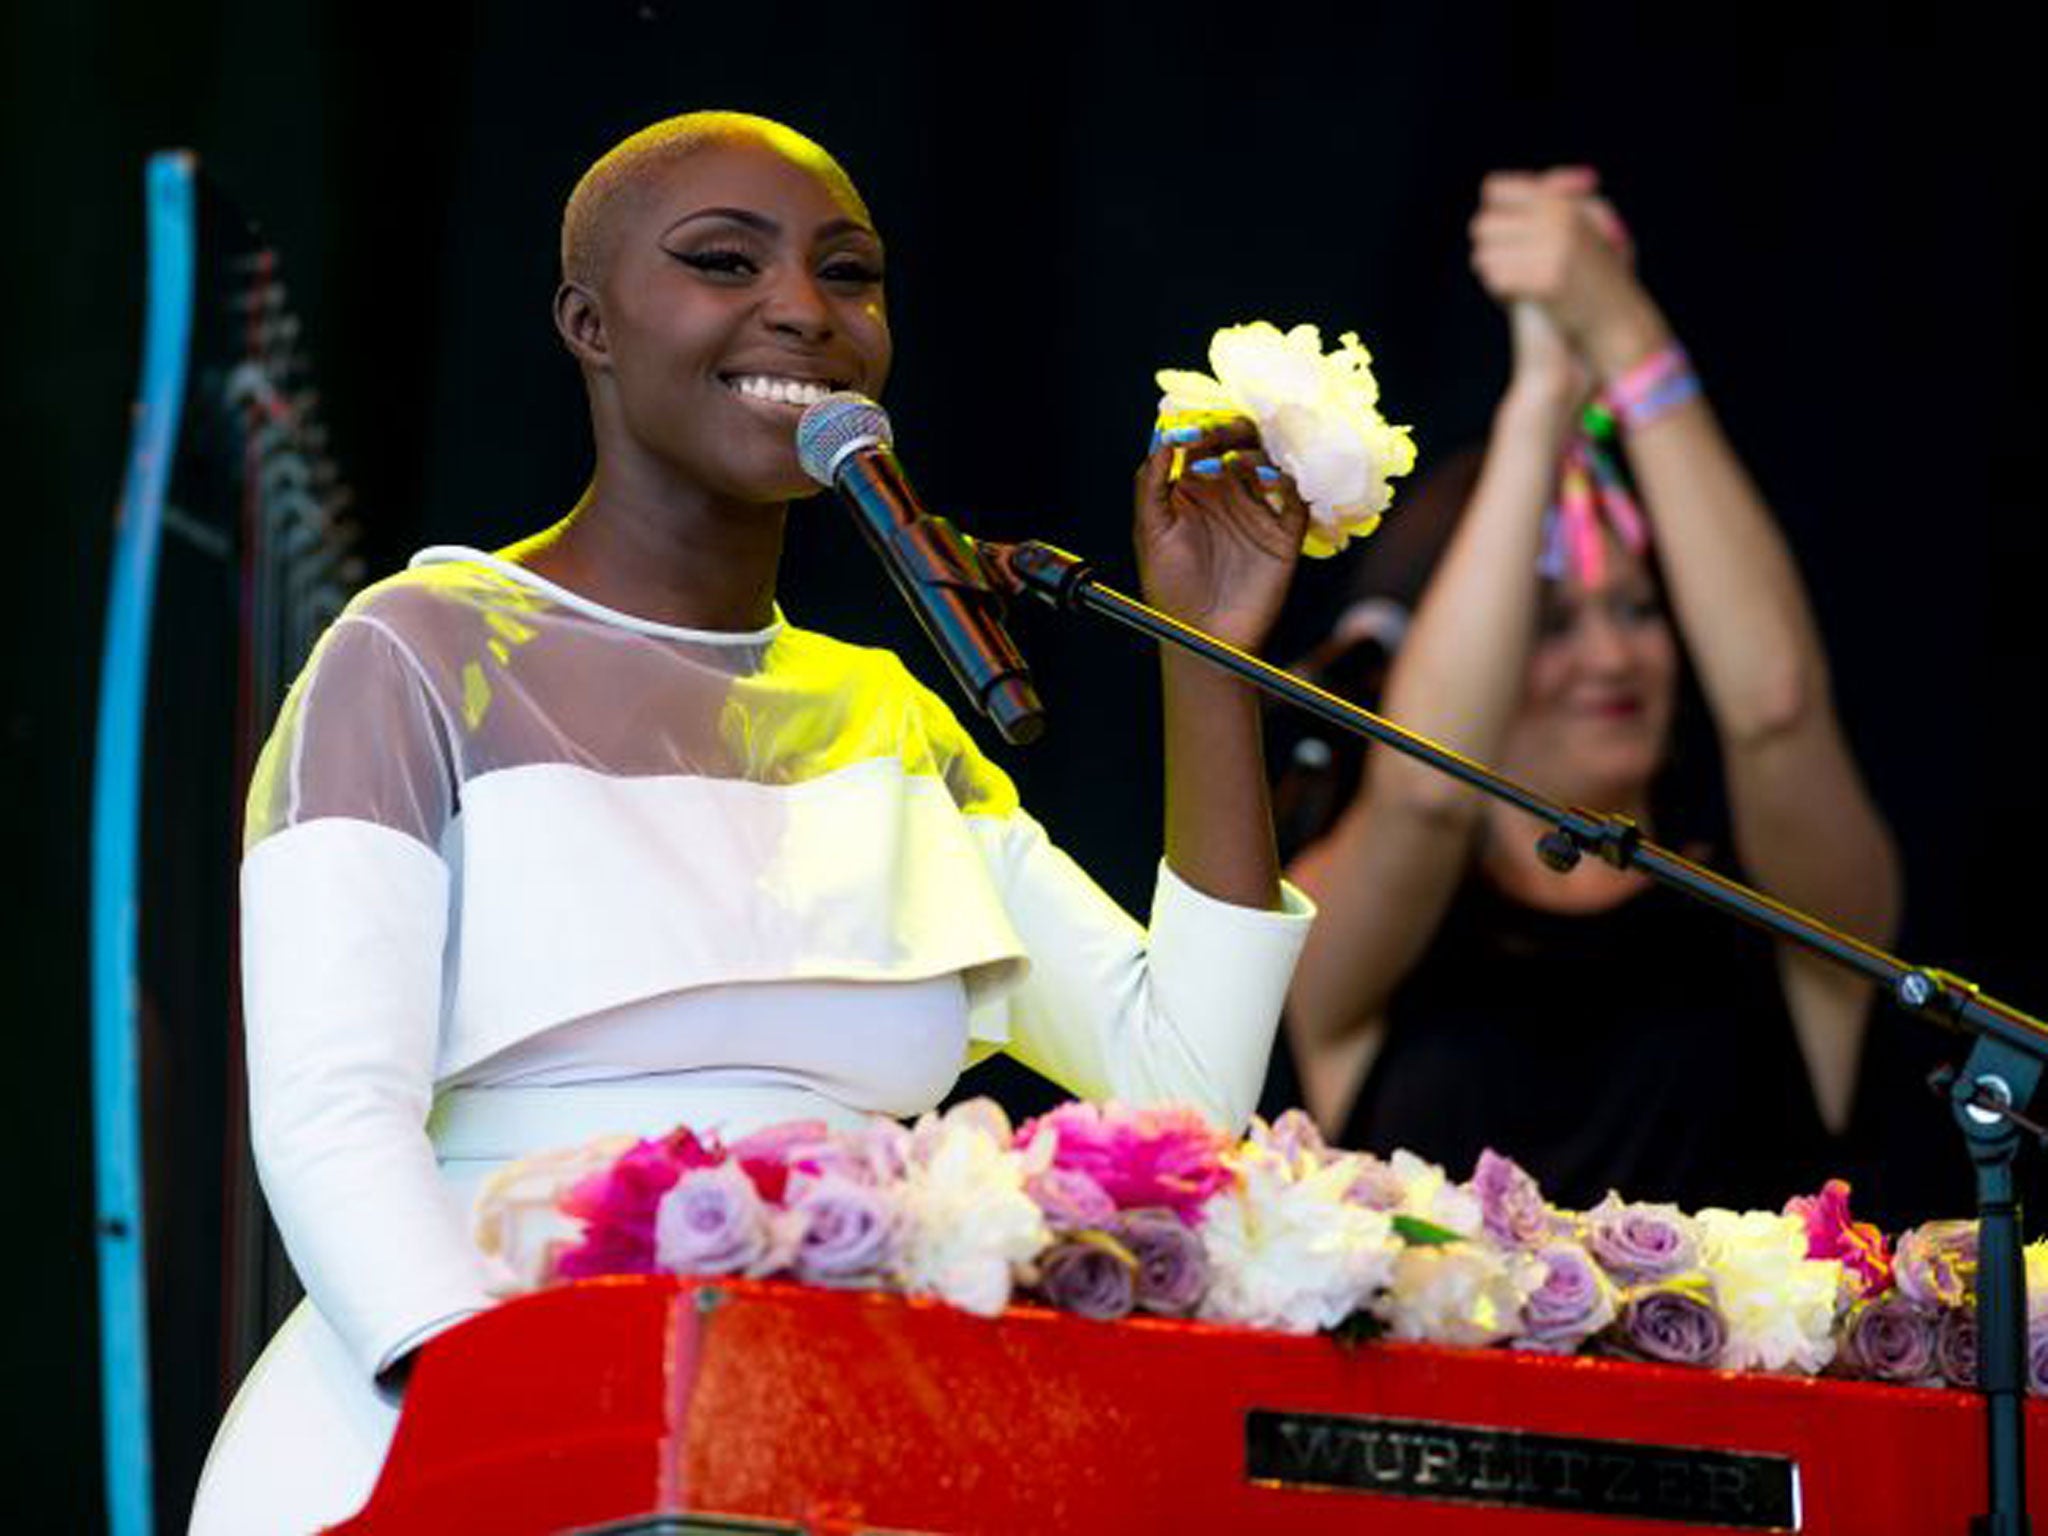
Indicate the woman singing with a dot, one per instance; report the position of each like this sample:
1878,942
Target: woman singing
584,836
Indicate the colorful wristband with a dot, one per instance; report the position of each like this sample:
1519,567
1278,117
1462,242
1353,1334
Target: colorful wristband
1661,382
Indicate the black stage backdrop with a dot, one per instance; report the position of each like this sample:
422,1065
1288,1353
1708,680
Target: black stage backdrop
1835,203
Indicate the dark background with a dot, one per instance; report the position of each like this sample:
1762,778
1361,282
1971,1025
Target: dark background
1834,202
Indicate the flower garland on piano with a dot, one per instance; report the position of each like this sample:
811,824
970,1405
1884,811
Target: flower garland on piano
1105,1210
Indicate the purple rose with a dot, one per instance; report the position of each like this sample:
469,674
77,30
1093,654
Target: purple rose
2037,1358
1375,1185
1955,1346
1173,1268
850,1230
884,1146
1574,1302
1070,1199
712,1222
1674,1321
1511,1206
833,1157
1935,1264
1640,1242
1292,1134
1090,1278
1889,1338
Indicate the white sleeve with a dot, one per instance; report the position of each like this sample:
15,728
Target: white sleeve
1184,1012
342,928
344,918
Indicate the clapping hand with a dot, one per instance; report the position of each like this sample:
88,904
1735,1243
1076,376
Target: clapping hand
1549,247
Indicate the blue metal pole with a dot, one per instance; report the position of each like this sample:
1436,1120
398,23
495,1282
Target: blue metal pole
116,835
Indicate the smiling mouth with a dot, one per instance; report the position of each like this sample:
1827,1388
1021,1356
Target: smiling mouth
780,390
1615,709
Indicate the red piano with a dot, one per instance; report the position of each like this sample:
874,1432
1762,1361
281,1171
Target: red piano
665,1406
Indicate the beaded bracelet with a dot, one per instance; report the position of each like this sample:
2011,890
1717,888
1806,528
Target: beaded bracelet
1660,383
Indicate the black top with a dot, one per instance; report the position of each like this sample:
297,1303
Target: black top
1646,1048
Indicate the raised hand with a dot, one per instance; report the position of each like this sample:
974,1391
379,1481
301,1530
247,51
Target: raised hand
1218,529
1548,241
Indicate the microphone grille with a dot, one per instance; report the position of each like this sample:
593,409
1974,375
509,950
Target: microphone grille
835,426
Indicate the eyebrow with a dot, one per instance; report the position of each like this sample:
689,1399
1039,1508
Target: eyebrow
767,226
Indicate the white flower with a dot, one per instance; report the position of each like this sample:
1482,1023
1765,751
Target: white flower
1318,419
968,1222
1427,1192
983,1114
516,1219
2035,1255
1458,1293
1287,1250
1780,1305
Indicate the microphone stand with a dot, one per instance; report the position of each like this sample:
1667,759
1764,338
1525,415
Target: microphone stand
1989,1096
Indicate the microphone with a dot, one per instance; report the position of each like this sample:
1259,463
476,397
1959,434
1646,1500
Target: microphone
843,442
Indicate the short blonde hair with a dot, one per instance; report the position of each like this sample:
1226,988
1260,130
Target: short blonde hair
591,216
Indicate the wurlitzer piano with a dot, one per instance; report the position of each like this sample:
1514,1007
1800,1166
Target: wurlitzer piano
656,1405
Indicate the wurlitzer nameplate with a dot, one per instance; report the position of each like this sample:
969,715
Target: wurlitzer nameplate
1475,1464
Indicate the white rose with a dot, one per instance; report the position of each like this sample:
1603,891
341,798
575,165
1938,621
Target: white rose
1467,1294
1318,419
1779,1304
2035,1255
1287,1250
969,1224
516,1218
1427,1192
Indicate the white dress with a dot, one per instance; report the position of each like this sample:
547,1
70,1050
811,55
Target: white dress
522,871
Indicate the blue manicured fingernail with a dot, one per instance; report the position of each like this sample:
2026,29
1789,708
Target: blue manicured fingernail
1207,466
1180,437
1268,473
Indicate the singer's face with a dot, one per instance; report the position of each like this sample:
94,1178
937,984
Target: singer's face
1597,699
744,285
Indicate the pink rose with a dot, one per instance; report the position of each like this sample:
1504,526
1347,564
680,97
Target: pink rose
617,1209
766,1155
1830,1234
1166,1156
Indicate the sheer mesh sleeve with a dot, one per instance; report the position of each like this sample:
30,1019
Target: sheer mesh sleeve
362,735
344,925
974,782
